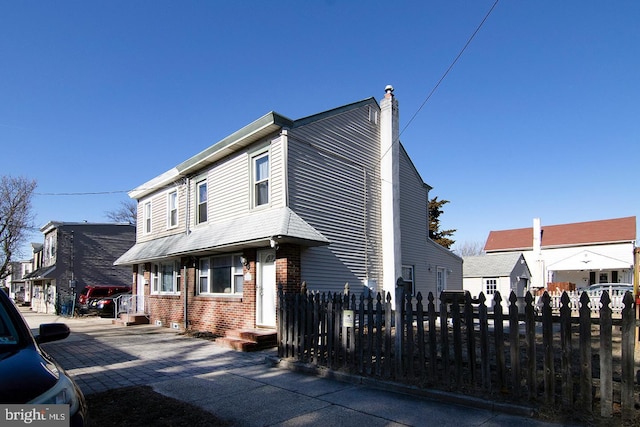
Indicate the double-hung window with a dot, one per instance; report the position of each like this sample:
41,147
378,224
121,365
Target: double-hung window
221,275
490,286
147,217
201,196
407,277
172,209
166,278
261,180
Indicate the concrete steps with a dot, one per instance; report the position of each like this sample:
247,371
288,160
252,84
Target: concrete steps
126,319
249,339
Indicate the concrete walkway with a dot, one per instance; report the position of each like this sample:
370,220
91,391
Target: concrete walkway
243,387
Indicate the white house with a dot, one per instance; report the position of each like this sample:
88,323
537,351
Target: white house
328,199
576,254
504,273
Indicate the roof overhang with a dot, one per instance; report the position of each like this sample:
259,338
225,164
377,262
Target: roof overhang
589,260
260,128
259,229
40,273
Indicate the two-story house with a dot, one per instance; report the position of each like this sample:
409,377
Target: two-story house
328,199
15,282
74,255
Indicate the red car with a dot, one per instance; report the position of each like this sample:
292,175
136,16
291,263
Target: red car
92,293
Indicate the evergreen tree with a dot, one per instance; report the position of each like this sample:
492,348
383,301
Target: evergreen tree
439,236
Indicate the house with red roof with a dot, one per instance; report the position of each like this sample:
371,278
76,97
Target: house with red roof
579,254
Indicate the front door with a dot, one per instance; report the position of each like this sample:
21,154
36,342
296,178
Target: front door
266,288
140,290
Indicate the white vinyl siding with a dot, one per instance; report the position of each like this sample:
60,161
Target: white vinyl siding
229,188
333,184
159,206
414,223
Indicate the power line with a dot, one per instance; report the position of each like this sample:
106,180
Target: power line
450,66
89,193
453,63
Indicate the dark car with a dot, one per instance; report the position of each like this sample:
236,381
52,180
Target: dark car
93,293
28,374
108,306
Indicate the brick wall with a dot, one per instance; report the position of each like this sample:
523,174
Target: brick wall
219,313
288,268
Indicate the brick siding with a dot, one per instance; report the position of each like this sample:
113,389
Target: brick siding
217,314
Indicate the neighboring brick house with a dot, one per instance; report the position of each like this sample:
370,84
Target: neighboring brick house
329,199
577,254
74,255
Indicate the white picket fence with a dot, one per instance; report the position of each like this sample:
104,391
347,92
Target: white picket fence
594,297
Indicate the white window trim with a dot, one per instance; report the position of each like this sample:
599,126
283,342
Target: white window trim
169,194
156,278
147,220
486,284
197,198
413,277
253,170
235,271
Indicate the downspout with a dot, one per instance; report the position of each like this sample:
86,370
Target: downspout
185,285
365,229
186,294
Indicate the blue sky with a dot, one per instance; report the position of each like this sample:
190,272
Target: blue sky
540,116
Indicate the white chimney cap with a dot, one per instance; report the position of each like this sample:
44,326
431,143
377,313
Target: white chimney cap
388,88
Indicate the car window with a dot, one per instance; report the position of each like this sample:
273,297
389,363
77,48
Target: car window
99,292
8,333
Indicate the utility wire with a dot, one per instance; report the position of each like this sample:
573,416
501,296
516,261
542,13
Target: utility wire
450,67
394,142
81,193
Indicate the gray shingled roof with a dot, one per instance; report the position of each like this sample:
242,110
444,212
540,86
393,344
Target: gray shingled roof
253,230
492,265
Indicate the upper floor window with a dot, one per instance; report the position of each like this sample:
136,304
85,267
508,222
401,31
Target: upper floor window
51,247
201,201
147,217
166,278
407,277
261,180
490,286
172,209
220,275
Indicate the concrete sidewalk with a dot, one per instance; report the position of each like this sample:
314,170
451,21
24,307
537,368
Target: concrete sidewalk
247,388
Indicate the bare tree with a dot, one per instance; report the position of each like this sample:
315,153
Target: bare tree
127,212
469,249
16,217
